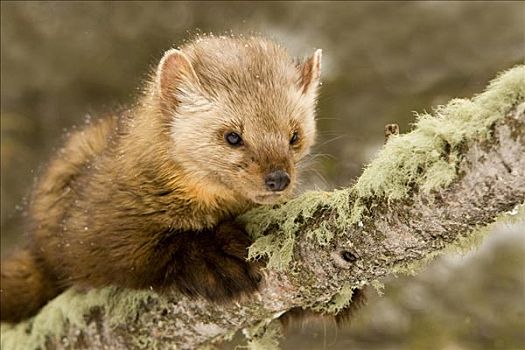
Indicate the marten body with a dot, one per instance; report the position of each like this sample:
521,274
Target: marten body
145,199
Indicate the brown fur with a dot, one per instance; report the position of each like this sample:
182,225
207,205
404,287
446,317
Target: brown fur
299,315
144,199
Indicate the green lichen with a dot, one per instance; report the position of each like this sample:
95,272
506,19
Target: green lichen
287,219
425,159
378,286
72,308
323,234
279,248
264,335
338,302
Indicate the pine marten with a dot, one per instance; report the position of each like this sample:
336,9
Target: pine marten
146,199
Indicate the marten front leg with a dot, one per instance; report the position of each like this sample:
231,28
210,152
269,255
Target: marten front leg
212,264
207,263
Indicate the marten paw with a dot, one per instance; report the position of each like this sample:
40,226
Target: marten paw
217,269
344,317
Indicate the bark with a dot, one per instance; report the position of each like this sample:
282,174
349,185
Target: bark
386,235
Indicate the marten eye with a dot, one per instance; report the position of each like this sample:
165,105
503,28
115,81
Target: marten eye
294,138
233,139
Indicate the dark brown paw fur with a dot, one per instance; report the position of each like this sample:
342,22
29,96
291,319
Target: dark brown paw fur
299,315
214,265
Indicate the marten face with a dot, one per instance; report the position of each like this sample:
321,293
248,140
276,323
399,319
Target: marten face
243,117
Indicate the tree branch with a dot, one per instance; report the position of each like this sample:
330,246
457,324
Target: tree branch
437,186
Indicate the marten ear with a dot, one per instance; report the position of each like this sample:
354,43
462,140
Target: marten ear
174,70
310,73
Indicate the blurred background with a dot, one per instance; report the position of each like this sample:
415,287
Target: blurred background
64,61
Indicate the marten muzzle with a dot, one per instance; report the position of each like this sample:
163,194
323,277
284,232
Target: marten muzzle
277,180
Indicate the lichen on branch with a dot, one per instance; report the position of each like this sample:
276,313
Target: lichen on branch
426,159
455,173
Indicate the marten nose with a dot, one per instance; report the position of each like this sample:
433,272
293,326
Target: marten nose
277,180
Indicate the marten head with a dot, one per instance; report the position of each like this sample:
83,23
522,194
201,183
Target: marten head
241,114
